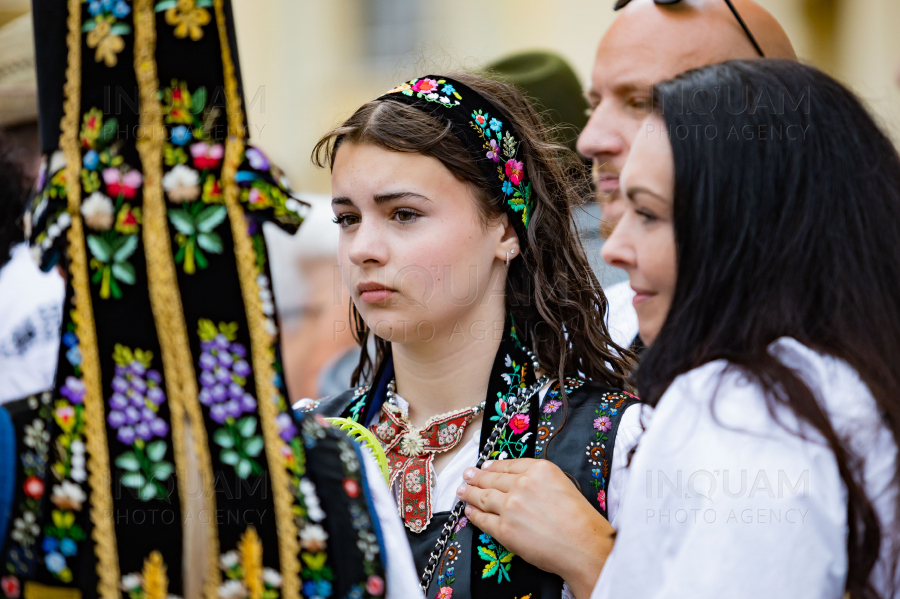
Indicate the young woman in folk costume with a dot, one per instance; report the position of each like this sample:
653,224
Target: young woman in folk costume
459,249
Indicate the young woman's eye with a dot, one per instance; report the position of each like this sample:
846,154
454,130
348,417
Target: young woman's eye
345,220
405,215
647,216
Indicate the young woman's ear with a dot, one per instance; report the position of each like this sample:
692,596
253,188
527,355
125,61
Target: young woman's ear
508,247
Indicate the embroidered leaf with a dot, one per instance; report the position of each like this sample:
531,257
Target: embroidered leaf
147,492
202,262
206,329
120,29
108,131
162,470
507,557
165,5
182,221
315,561
211,242
244,468
156,450
247,426
489,569
100,249
230,457
486,554
128,461
223,438
91,25
124,247
210,218
253,446
133,480
204,3
198,100
124,272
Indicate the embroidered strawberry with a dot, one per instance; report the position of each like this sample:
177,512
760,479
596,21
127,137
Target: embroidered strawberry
10,586
375,585
519,423
34,487
515,170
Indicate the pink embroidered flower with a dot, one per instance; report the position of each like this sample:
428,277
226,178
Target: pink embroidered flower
34,487
519,423
601,497
515,170
425,86
481,119
10,585
445,593
461,524
494,152
118,184
375,585
551,406
602,424
207,155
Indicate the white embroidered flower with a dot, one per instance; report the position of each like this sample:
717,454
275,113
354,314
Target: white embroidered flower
68,495
412,444
313,537
64,221
57,162
98,212
272,578
508,361
313,507
233,589
131,582
271,327
229,560
26,224
182,184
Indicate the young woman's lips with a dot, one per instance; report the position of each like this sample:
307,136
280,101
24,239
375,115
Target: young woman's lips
374,293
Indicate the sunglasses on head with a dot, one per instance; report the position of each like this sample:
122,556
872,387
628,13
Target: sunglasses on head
620,4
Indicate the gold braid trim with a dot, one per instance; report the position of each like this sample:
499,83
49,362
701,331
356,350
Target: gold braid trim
95,422
165,295
260,340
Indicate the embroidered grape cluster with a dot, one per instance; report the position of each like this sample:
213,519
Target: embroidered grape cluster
137,395
224,374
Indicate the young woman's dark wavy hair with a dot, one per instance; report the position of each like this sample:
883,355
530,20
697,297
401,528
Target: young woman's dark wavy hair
787,223
551,291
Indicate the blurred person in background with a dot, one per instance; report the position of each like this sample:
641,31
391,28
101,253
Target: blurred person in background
30,300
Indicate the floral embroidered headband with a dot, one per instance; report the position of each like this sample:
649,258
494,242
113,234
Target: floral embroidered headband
483,129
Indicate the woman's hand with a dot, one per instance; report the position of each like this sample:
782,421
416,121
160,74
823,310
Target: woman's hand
536,512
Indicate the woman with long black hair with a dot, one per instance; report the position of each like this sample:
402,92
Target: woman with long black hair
762,239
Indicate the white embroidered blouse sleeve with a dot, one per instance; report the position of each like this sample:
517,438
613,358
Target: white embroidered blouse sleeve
400,570
726,506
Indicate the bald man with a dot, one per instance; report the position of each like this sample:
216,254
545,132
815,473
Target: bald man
529,505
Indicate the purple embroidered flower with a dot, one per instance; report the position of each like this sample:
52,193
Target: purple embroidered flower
223,376
207,345
137,369
155,376
257,159
126,435
248,403
221,341
551,406
232,408
207,361
238,350
121,371
205,397
225,359
118,402
218,413
494,152
461,524
132,415
219,393
207,379
137,400
73,390
241,368
235,391
159,427
156,395
286,428
148,415
116,419
602,424
142,430
138,384
120,385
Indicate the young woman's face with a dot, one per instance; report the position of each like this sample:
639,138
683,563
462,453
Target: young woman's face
413,251
643,242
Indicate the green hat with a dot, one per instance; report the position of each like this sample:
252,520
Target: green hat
548,80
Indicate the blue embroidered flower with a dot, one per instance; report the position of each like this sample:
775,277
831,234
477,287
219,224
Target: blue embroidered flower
50,545
91,160
595,473
94,8
496,125
55,562
448,89
121,9
74,356
484,538
181,135
68,547
508,188
70,339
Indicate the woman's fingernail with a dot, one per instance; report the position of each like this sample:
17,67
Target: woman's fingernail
461,490
468,473
468,510
486,465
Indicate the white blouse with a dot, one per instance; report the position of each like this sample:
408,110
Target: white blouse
723,501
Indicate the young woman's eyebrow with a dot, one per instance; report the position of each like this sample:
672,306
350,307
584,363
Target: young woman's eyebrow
341,201
398,195
633,191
